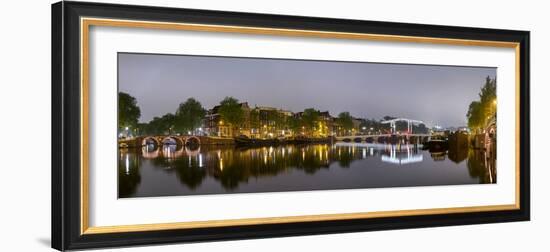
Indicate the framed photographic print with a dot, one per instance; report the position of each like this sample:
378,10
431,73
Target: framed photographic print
180,125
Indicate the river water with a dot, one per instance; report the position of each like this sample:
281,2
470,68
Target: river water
170,170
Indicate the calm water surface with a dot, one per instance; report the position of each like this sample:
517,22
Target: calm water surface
171,170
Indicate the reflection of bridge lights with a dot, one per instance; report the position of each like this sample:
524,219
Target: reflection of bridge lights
127,165
200,160
221,164
395,158
364,153
408,160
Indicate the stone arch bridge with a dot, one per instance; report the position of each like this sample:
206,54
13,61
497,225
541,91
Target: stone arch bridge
161,140
175,140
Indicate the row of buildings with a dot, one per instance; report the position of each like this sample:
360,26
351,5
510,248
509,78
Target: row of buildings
269,122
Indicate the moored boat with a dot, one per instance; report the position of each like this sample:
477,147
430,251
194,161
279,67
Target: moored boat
436,145
245,140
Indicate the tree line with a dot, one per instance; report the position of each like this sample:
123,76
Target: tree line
482,111
189,116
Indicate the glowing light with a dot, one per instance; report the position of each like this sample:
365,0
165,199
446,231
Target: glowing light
127,165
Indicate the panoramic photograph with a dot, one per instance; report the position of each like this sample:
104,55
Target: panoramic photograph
197,125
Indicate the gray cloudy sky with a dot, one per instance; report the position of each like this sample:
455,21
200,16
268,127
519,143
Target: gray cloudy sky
434,94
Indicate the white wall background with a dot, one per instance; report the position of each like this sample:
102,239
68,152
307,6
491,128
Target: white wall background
25,111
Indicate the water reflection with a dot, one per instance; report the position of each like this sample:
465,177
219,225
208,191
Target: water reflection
150,171
128,173
402,154
482,166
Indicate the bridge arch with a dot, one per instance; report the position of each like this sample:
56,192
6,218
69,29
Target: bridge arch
177,140
192,141
148,140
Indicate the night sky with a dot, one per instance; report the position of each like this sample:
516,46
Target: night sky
437,95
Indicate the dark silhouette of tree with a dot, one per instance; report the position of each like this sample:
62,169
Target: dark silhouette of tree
293,124
488,96
161,125
231,112
481,111
475,115
128,111
345,121
189,115
309,119
421,129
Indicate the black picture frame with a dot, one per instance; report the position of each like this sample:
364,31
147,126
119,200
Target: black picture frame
66,125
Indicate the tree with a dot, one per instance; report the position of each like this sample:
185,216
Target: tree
488,96
479,112
294,124
189,115
345,121
128,111
310,117
231,112
167,123
421,128
488,91
161,125
475,115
